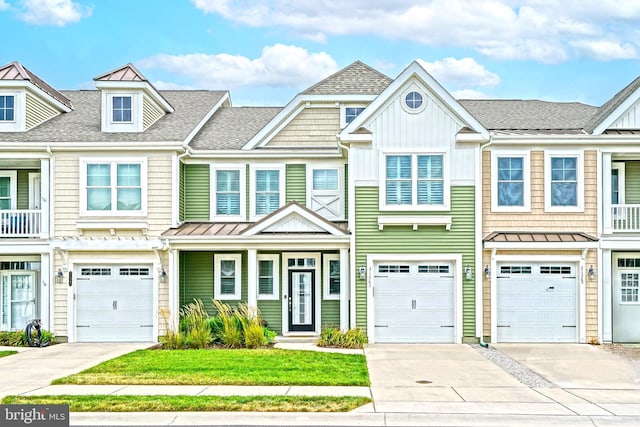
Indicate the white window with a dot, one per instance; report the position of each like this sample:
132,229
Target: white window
510,182
228,192
8,189
564,182
349,112
227,277
121,109
331,276
113,187
325,191
413,100
267,189
415,182
7,108
268,276
617,183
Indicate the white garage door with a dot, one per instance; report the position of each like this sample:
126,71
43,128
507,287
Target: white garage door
414,302
537,302
114,303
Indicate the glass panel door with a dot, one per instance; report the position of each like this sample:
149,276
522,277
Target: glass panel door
301,310
18,299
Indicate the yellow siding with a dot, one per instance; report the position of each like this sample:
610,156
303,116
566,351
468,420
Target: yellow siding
313,127
37,112
150,112
538,219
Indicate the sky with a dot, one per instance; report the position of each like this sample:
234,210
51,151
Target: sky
266,51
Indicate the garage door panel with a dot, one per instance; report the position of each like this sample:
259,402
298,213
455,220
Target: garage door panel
537,303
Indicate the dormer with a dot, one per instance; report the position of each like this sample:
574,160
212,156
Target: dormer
26,100
130,103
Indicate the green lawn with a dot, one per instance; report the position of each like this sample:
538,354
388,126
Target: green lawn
231,367
109,403
7,353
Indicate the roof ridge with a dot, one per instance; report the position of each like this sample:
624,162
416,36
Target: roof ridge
343,71
613,103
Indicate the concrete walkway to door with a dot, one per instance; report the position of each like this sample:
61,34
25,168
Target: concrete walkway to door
33,368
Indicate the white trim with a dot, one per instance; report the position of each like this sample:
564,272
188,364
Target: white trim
540,245
289,211
415,221
326,270
526,175
280,168
13,186
136,123
446,181
343,112
372,259
615,114
285,289
112,226
34,177
19,122
403,101
113,163
621,167
338,193
606,298
242,171
275,259
237,294
344,289
579,155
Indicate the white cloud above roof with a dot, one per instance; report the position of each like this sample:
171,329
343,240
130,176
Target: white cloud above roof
547,31
4,5
464,71
52,12
278,66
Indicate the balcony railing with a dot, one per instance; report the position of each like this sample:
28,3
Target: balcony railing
20,223
625,218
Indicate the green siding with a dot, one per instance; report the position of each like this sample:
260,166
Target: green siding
22,201
197,194
632,182
330,315
426,240
297,184
271,312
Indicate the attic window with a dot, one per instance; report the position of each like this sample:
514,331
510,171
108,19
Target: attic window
7,108
413,100
122,109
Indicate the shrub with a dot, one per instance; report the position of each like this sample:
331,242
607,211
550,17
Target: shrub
197,333
269,335
18,339
231,333
333,337
252,331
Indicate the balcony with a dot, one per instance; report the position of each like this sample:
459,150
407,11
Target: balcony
625,218
20,223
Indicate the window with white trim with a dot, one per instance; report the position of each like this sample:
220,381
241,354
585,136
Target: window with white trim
349,112
564,182
7,108
227,277
629,287
331,276
510,181
121,109
267,189
325,192
415,181
268,276
8,189
228,188
113,187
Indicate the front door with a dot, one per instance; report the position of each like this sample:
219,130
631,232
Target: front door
18,296
626,299
301,301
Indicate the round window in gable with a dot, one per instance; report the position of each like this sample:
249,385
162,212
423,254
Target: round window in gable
413,100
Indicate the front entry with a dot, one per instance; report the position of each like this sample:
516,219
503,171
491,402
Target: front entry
626,297
301,301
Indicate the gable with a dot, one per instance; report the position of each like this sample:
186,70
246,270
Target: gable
314,126
294,218
629,119
293,223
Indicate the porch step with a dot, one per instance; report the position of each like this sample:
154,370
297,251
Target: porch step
298,339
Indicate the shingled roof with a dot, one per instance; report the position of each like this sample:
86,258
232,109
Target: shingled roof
83,123
609,107
231,128
16,71
355,79
530,115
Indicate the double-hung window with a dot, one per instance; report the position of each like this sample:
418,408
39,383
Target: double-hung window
227,277
267,190
510,182
114,187
415,181
8,188
268,276
228,198
564,182
331,276
7,108
121,109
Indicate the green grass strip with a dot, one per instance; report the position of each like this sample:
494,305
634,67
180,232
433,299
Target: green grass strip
227,367
109,403
7,353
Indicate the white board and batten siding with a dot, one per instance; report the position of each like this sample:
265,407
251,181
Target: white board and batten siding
395,130
630,119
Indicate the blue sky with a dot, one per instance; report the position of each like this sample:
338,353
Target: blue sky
266,51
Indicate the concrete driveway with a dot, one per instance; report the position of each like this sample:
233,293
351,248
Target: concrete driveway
34,368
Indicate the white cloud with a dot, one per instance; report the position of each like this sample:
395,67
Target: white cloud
53,12
162,85
605,50
468,94
542,30
465,71
279,65
4,5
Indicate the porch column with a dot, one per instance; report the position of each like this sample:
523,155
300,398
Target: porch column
344,289
45,195
252,280
607,225
174,289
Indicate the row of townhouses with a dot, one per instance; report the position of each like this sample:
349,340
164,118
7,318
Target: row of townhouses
370,202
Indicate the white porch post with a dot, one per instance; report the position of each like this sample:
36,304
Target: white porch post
45,195
252,281
174,290
344,289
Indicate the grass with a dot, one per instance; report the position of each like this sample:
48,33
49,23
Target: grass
109,403
7,353
227,367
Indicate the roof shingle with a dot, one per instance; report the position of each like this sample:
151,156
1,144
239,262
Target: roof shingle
355,79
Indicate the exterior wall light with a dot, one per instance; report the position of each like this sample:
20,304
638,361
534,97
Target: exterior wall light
59,276
467,273
487,272
591,273
163,276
